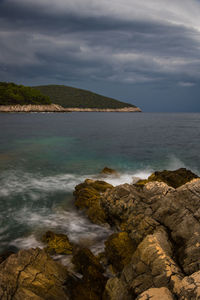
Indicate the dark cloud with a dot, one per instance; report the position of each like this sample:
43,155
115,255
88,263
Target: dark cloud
145,46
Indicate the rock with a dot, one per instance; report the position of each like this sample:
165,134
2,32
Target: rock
119,249
32,274
84,258
116,290
172,178
189,288
57,243
109,171
156,294
93,282
152,264
143,211
87,196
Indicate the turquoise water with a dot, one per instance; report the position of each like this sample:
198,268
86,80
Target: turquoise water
43,157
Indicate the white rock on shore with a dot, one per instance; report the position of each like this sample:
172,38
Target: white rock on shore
58,108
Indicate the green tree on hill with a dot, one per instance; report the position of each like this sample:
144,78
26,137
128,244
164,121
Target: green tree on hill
12,94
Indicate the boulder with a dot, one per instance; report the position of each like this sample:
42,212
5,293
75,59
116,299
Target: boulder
156,294
57,243
32,274
119,249
115,289
87,197
172,178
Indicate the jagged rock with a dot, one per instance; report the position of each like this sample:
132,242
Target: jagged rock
172,178
156,294
115,289
87,196
143,211
119,249
92,285
152,264
32,274
57,243
164,224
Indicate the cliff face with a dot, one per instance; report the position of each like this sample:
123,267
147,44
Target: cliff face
58,108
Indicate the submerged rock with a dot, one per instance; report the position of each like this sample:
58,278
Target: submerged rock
57,243
32,274
172,178
109,171
87,197
119,249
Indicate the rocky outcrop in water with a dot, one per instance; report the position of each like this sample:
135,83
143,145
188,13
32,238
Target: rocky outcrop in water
154,253
160,226
87,197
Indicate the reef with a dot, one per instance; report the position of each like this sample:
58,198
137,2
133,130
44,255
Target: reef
154,252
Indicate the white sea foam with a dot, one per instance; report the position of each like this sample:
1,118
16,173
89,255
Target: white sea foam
79,229
34,185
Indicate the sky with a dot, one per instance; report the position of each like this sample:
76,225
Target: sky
145,52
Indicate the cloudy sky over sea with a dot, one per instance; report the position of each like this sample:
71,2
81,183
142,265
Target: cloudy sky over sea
146,52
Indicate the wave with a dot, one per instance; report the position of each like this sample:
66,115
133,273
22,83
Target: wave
16,182
73,223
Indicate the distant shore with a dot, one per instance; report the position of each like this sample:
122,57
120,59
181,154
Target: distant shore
58,108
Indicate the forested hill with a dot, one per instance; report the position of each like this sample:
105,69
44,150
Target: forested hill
13,94
73,97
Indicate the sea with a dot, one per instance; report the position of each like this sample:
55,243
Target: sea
43,156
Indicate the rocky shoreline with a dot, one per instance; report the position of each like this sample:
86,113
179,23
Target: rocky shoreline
58,108
154,252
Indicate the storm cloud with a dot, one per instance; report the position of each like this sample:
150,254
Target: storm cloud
126,49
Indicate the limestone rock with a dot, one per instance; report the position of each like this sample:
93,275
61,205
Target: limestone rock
87,196
119,249
141,212
32,274
116,290
172,178
57,243
156,294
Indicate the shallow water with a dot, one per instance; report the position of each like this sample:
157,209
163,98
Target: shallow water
43,157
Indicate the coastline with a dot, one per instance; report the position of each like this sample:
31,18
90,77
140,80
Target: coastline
153,253
58,108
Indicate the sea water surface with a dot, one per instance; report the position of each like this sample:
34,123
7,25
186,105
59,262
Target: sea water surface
43,156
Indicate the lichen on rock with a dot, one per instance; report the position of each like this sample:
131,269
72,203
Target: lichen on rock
57,243
172,178
87,197
119,249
